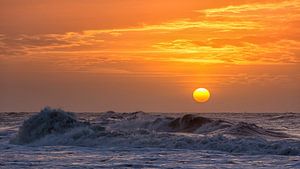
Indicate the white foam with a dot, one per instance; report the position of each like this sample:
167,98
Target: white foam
156,131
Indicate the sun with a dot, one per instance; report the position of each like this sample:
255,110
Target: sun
201,95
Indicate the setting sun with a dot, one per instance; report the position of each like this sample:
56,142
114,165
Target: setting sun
150,84
201,95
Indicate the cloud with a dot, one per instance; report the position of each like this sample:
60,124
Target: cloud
259,33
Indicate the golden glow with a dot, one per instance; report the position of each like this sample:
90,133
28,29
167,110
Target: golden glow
201,95
242,34
159,49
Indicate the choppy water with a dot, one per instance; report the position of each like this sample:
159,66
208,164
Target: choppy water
58,139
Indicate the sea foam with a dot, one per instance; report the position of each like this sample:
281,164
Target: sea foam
139,129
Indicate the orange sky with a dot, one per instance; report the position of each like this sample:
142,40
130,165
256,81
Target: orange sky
128,55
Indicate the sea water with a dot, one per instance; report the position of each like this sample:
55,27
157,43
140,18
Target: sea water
54,138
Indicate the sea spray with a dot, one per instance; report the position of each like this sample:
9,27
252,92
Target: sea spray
53,127
48,121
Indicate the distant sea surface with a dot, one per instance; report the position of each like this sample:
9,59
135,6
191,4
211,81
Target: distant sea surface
57,139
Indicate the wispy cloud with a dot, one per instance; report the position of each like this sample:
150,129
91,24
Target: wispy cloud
260,33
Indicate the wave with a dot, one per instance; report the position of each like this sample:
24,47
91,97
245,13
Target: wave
286,116
139,129
246,129
48,121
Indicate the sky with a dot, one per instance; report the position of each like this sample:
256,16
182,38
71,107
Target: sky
131,55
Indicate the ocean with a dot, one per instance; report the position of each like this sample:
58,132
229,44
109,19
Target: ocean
54,138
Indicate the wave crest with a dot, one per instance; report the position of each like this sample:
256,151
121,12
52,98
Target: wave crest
48,121
139,129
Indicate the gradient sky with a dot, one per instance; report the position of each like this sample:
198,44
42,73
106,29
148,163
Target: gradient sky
129,55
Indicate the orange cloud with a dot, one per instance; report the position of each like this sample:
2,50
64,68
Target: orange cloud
259,33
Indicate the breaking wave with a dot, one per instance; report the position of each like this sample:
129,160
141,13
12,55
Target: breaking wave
48,121
139,129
